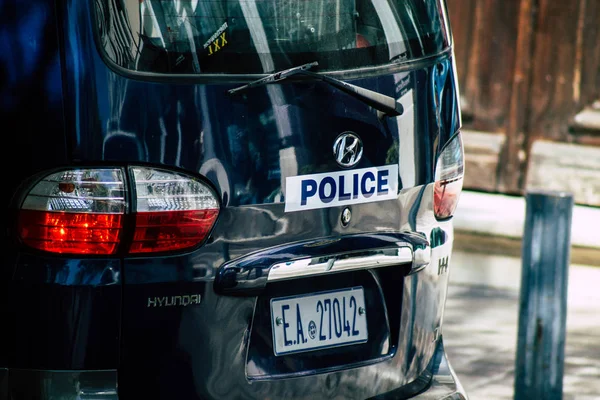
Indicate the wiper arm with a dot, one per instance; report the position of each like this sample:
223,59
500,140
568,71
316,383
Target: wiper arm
386,105
275,77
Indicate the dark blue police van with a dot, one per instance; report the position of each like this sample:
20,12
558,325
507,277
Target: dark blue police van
227,199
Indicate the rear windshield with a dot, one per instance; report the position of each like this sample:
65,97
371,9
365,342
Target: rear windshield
261,36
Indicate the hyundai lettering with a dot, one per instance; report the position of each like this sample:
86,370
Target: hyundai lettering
228,199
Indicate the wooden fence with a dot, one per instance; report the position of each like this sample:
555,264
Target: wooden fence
529,74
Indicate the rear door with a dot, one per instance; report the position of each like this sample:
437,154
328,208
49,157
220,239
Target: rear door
203,321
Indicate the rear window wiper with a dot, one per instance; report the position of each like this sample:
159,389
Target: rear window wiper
386,105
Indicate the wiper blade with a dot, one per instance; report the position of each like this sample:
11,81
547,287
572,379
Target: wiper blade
275,77
386,105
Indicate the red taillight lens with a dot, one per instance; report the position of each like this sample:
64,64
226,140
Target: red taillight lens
171,230
75,212
173,211
61,232
449,173
82,211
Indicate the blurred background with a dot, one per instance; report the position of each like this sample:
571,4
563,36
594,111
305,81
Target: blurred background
529,75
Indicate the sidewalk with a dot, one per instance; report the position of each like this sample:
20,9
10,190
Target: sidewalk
480,335
480,324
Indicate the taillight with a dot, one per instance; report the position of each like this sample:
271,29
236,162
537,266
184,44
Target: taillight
82,211
449,172
77,211
173,211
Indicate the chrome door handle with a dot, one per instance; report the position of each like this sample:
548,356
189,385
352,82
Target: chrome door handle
340,262
250,274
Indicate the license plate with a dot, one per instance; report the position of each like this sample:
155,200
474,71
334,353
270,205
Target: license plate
319,321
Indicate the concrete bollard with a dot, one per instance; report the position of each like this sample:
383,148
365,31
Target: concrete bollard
543,298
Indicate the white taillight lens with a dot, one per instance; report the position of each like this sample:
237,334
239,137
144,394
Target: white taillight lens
77,211
449,173
173,211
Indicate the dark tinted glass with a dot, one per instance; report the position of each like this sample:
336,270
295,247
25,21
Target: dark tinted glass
260,36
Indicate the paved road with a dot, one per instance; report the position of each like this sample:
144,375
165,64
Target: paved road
480,334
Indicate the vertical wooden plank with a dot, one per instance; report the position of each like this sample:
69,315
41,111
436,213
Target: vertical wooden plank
461,14
586,125
590,71
553,102
510,176
579,52
491,63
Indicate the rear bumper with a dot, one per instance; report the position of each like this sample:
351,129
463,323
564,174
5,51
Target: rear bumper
21,384
102,385
437,382
444,383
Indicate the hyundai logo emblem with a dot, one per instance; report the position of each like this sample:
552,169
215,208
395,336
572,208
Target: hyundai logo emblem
347,149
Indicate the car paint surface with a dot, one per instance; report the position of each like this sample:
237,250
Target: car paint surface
70,313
